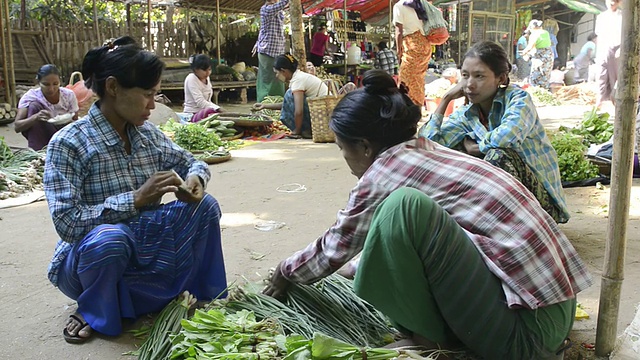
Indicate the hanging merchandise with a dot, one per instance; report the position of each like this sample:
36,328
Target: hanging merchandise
551,25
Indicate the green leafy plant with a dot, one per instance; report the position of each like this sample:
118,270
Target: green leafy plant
573,164
195,137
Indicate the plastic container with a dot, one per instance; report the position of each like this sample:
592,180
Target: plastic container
354,55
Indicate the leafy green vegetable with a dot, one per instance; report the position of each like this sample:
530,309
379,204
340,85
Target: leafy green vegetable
542,97
196,137
574,166
594,128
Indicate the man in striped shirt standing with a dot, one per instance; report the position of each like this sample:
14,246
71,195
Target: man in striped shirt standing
270,45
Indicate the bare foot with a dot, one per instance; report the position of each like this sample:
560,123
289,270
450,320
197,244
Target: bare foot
77,330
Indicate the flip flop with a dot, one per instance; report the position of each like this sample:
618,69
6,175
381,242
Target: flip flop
75,339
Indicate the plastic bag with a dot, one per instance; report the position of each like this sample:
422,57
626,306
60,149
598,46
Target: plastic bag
83,95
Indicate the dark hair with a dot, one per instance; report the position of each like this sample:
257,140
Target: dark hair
382,45
123,59
592,36
45,70
200,61
493,55
286,62
379,112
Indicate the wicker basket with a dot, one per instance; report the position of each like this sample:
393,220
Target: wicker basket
320,109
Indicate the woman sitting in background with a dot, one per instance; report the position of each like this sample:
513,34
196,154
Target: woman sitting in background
197,89
295,109
453,250
42,104
501,125
122,253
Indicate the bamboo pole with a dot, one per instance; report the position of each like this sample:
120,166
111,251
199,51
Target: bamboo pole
346,40
218,30
128,15
297,32
187,43
5,63
149,46
622,172
9,41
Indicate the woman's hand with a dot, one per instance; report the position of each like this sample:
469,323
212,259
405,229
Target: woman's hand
153,189
455,92
471,147
43,115
278,284
192,191
257,107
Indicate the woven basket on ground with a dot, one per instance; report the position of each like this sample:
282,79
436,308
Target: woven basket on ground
320,109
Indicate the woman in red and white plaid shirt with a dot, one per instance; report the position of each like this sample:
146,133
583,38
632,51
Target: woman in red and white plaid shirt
453,250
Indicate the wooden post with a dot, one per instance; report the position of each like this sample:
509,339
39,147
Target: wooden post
149,45
11,97
346,40
23,14
96,28
622,172
297,32
218,30
5,58
187,28
391,27
128,15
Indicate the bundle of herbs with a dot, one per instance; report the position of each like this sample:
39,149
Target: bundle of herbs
594,128
329,306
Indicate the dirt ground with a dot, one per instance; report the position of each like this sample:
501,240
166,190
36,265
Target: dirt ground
33,312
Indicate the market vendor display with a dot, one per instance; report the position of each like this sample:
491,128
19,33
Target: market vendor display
295,108
487,267
197,89
46,109
501,125
122,253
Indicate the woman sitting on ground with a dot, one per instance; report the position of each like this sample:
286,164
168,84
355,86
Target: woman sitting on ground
501,125
122,253
295,109
486,266
197,89
38,106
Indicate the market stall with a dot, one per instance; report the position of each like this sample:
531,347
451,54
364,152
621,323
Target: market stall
478,20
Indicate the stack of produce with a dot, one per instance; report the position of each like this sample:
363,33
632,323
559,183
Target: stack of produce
202,138
580,94
223,128
20,171
7,113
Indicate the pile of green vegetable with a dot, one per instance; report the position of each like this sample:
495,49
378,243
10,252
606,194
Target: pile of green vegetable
204,136
274,114
574,166
571,144
223,128
321,321
542,97
594,128
20,171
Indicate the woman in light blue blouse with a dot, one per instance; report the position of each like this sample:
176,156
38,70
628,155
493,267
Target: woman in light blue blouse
501,125
122,253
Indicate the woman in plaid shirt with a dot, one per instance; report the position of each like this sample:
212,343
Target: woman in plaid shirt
453,250
121,252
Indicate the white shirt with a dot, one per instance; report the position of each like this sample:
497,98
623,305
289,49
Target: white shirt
609,31
408,18
311,85
197,95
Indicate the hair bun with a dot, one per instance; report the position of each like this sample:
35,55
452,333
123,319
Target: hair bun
379,82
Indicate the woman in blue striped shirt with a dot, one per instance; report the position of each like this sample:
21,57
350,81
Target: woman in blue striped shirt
121,252
501,125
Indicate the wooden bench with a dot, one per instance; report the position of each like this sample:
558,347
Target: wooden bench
219,86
